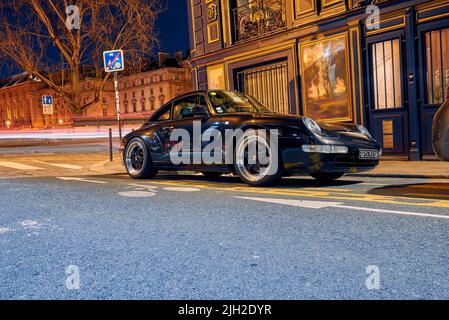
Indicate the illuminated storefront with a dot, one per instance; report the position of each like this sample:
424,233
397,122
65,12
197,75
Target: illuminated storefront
322,59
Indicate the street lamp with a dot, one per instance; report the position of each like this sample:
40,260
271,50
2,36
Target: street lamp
8,124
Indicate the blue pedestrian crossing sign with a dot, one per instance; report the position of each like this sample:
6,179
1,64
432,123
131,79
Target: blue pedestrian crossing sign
113,61
47,104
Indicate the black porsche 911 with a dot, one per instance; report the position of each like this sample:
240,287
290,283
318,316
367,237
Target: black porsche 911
326,151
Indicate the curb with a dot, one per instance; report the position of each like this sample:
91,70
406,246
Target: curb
99,167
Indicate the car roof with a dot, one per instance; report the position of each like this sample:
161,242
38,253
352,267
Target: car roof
193,92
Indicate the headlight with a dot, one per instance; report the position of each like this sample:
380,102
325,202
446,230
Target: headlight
312,125
364,131
331,149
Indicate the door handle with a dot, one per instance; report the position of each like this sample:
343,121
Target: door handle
167,128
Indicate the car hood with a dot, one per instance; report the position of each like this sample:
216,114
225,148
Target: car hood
338,128
348,132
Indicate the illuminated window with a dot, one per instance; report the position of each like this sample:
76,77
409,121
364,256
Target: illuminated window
387,75
437,60
268,84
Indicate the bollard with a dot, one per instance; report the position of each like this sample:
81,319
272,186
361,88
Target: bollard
111,154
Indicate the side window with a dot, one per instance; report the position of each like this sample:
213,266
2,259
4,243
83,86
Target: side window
163,114
183,107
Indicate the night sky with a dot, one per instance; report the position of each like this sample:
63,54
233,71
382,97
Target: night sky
172,29
173,26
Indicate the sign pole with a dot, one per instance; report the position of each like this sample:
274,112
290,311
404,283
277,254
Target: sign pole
115,62
117,102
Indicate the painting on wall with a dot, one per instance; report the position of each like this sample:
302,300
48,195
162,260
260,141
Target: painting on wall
325,79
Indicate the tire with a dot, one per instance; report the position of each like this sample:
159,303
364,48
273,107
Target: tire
251,173
137,160
327,177
211,174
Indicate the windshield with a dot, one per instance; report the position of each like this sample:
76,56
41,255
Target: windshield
231,102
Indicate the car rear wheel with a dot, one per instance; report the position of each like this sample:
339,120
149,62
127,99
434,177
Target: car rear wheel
137,160
327,177
255,161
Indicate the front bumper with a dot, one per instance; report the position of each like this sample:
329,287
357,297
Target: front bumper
296,161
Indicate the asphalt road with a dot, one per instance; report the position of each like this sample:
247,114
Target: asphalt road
187,237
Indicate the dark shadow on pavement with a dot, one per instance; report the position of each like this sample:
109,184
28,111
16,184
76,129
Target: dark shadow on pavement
430,190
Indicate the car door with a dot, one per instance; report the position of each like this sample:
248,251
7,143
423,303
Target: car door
194,124
158,124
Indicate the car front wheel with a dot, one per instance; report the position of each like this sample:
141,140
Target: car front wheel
256,162
137,160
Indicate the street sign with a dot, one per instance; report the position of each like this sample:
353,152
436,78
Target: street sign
47,105
113,61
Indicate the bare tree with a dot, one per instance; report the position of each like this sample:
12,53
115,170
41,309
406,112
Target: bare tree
35,35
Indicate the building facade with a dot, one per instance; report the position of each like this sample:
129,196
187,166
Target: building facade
381,63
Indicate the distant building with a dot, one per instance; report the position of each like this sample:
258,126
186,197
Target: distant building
140,94
162,81
105,106
20,102
21,106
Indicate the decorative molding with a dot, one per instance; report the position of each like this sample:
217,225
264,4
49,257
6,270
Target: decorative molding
209,35
389,28
212,13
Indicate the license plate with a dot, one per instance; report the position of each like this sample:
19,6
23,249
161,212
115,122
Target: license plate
368,154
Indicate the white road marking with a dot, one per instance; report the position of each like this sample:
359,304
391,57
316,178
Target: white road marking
18,166
81,180
30,224
137,194
325,204
61,165
181,189
5,230
296,203
405,213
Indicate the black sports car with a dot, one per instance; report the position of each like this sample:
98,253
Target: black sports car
294,144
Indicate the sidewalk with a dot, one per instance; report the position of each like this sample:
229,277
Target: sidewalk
409,169
386,169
